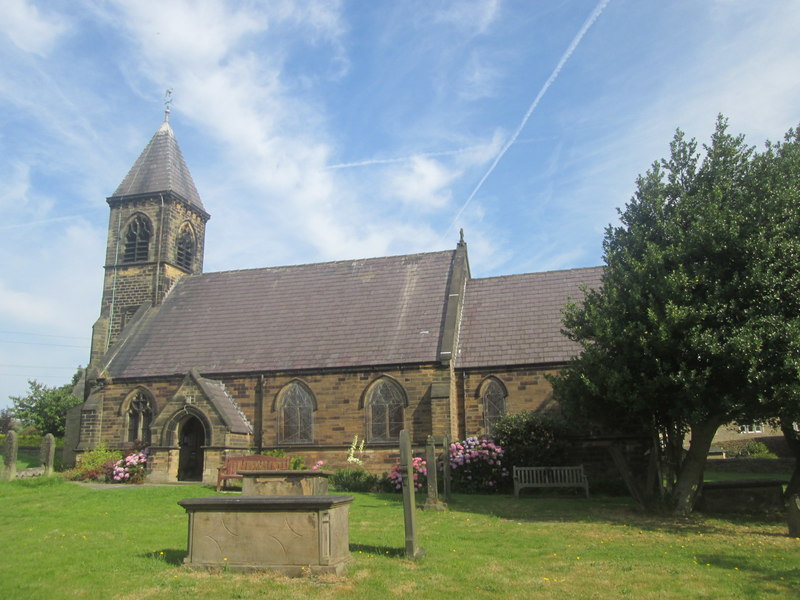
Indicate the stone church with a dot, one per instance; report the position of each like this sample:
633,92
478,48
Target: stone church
305,358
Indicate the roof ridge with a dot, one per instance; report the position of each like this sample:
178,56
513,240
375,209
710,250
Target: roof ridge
513,275
324,263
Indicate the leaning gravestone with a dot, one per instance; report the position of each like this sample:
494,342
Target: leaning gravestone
10,456
409,504
47,454
793,516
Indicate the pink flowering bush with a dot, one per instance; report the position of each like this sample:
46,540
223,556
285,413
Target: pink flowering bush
419,468
477,465
130,469
318,465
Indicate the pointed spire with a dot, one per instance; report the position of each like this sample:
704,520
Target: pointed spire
161,168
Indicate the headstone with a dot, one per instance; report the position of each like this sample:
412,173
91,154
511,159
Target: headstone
47,453
432,502
409,504
10,456
446,468
72,432
793,516
430,459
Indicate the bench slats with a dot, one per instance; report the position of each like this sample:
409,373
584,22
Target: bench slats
549,477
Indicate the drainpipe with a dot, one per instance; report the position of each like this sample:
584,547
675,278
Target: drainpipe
156,295
114,282
259,415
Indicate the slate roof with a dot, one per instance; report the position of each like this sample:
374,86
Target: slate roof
378,311
160,168
516,319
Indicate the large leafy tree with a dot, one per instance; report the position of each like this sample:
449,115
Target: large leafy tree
697,321
44,407
778,184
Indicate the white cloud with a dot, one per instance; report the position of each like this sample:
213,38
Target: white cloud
29,29
16,185
422,183
26,307
480,78
474,16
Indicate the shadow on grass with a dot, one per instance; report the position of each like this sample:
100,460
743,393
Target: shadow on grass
171,556
378,550
772,572
609,509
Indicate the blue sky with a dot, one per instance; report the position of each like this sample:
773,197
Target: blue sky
320,131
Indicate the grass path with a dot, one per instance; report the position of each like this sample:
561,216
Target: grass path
62,540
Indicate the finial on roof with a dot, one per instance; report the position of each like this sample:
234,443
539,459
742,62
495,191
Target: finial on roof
167,104
461,235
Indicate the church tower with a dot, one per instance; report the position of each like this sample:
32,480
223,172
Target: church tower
156,235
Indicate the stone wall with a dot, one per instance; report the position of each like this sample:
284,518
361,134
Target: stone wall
527,389
340,414
129,285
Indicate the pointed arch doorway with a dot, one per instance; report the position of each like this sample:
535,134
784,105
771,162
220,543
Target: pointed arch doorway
191,437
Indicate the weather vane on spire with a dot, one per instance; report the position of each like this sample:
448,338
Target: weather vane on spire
167,103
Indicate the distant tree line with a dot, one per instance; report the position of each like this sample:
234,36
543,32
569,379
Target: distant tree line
43,407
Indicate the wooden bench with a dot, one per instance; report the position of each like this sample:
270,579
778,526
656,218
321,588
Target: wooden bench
255,462
550,477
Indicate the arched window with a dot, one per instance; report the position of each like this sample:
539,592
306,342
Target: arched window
185,248
137,239
385,402
493,397
296,414
140,417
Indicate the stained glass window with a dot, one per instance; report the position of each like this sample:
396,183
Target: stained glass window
494,404
385,411
297,415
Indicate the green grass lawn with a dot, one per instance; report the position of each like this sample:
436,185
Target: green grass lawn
63,540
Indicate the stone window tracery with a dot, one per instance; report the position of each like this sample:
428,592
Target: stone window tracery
137,240
297,414
493,397
140,417
185,248
385,411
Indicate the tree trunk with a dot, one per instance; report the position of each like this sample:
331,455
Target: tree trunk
793,441
690,477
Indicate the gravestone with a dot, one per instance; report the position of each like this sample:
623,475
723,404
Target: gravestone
10,456
432,502
47,454
293,535
409,504
285,483
793,516
446,468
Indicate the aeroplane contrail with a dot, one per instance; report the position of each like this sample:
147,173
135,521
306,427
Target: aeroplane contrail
553,76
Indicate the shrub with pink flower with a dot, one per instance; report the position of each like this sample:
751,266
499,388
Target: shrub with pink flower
130,469
318,465
477,465
419,468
